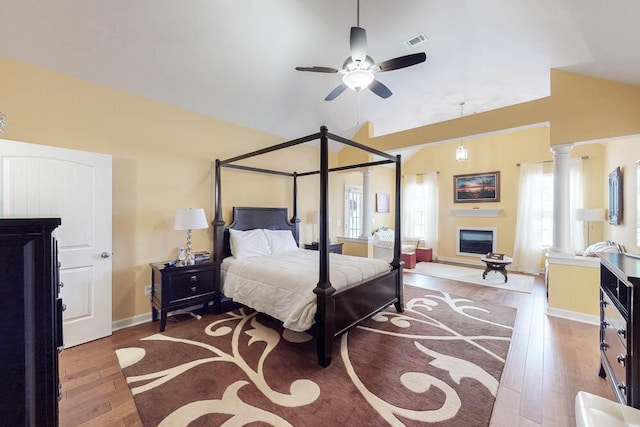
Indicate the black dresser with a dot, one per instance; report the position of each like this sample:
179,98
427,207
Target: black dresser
620,325
30,322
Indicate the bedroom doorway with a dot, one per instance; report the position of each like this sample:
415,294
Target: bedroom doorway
39,180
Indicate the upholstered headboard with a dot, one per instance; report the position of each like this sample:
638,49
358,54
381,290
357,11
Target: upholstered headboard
249,218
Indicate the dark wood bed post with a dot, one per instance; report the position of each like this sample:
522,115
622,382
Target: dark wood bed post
396,263
295,219
218,234
325,314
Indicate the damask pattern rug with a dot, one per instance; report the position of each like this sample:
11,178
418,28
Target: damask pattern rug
438,362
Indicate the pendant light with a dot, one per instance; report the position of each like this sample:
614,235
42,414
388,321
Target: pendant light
461,151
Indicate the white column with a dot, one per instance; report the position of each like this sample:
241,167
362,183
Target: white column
561,195
366,204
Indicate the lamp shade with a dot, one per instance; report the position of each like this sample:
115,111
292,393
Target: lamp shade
190,219
590,214
358,79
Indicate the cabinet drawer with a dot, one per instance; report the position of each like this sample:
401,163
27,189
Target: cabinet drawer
184,286
614,319
616,354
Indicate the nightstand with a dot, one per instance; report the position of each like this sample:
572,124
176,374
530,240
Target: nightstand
336,248
181,286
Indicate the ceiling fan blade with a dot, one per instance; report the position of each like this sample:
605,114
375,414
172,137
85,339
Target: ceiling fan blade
317,69
358,42
379,89
337,91
402,61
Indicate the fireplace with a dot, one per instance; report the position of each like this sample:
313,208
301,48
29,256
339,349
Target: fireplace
473,241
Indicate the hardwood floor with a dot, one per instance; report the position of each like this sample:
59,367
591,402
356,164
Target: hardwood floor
549,361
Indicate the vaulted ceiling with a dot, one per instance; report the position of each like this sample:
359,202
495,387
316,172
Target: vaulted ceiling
235,60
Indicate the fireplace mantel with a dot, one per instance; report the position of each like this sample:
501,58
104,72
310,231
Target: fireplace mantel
476,212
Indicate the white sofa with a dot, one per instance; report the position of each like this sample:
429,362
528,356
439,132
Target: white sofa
596,411
383,239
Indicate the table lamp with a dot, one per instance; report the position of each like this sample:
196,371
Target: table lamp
190,219
590,215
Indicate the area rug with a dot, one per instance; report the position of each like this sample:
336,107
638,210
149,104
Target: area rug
515,282
438,362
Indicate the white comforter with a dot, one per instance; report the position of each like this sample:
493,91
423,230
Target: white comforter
281,285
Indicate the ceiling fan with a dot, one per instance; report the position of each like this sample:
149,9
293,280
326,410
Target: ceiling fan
358,70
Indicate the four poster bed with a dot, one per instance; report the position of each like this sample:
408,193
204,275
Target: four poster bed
363,286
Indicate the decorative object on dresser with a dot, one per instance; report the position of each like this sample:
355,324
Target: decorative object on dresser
615,197
190,219
30,322
619,320
476,187
335,248
175,286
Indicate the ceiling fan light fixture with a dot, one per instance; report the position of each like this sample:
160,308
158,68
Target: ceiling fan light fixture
358,79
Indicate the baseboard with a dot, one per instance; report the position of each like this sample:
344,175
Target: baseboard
146,317
573,315
131,321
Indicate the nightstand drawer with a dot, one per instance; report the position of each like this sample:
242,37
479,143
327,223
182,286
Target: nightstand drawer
188,285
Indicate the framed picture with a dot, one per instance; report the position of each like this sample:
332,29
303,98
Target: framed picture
615,197
383,202
476,187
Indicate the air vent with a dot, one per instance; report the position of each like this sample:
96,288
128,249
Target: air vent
415,40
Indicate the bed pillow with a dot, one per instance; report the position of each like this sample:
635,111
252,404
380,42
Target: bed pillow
247,244
280,241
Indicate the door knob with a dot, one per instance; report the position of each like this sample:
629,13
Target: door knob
105,254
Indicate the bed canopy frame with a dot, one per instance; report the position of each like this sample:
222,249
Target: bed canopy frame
337,312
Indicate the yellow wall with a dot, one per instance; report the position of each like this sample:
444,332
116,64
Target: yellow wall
574,288
624,154
162,161
497,152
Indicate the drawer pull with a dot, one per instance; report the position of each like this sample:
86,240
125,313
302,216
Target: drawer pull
193,289
59,264
61,284
64,307
604,345
194,278
622,386
604,324
603,303
622,359
622,333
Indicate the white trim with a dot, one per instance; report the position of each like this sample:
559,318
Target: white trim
146,317
131,321
342,239
573,315
476,212
576,260
494,242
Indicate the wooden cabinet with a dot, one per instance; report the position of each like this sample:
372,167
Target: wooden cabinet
620,325
335,248
30,322
174,287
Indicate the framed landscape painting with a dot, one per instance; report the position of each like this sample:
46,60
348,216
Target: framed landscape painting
476,187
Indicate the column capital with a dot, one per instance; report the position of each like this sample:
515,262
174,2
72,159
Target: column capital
561,149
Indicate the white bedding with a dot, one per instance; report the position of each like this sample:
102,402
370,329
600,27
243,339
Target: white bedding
281,285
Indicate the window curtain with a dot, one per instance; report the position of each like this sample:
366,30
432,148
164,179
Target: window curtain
577,236
420,208
430,190
409,204
527,250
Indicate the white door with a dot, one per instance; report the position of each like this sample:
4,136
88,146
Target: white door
39,180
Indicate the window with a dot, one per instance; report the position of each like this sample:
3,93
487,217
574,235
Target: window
547,209
352,211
